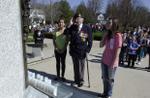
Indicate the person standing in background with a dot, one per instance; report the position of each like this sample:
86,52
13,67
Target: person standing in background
133,48
39,39
148,49
123,49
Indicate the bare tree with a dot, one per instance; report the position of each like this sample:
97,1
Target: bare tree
95,5
94,8
129,12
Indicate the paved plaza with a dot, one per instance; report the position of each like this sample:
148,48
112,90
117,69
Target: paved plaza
129,83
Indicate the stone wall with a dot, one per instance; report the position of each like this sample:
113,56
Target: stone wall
12,77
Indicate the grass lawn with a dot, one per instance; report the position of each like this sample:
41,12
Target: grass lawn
30,37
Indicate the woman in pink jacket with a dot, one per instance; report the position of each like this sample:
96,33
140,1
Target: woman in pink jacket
113,42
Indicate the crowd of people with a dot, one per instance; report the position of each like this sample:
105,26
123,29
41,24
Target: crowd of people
127,48
136,45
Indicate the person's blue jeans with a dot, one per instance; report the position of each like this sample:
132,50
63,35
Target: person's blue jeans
108,75
142,52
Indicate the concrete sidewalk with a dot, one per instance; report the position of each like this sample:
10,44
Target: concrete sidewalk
129,83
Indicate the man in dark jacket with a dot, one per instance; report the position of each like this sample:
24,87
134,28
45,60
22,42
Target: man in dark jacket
39,36
39,39
80,44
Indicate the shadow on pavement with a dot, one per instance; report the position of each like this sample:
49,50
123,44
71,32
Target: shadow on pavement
135,68
87,92
97,56
100,53
30,55
36,45
40,60
33,45
95,60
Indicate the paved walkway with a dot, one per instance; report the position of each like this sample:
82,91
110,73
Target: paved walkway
129,83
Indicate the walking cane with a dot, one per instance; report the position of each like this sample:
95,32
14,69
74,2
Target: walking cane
88,71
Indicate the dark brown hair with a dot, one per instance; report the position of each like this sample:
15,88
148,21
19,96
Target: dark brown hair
114,28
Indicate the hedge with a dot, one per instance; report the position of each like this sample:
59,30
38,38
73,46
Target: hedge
97,35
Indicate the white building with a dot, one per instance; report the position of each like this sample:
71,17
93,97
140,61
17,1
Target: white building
101,19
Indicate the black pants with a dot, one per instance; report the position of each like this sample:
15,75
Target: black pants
132,58
122,55
149,59
139,54
60,61
79,66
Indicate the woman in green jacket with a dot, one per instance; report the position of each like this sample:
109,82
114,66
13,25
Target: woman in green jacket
60,44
